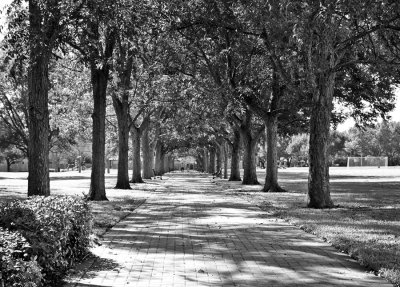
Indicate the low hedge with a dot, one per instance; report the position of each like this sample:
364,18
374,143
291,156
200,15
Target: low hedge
57,229
18,268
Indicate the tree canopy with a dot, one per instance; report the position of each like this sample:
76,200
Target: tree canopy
197,77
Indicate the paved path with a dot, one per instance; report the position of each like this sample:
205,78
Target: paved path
191,233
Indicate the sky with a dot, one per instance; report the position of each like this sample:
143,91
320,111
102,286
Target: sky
395,114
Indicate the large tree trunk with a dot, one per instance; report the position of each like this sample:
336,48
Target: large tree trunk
38,111
148,156
99,79
235,157
271,178
123,67
122,112
137,166
211,167
249,161
250,150
318,179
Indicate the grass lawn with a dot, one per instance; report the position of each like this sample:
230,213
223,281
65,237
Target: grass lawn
13,185
365,223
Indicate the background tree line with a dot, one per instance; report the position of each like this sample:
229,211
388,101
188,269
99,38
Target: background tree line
379,140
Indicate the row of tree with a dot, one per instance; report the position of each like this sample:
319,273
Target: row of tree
205,74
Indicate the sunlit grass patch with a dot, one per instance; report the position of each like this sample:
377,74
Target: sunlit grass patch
108,213
367,235
365,224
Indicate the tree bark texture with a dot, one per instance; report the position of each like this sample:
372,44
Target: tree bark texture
159,162
205,160
249,161
271,178
235,157
225,150
162,159
38,111
148,156
8,165
99,79
199,163
250,150
170,163
318,179
122,111
211,167
137,165
220,155
166,163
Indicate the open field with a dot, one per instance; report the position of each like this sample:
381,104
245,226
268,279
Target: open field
365,222
13,185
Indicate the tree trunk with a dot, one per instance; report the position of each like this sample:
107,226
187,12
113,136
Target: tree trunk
148,156
166,163
99,78
250,148
211,167
162,159
225,150
38,111
318,179
220,154
249,161
159,166
8,162
38,155
235,159
122,110
137,166
123,67
271,178
199,162
205,160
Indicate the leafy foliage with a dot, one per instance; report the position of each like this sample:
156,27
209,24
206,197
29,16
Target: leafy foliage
18,268
56,228
380,140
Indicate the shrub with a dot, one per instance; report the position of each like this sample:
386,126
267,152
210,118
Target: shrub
56,227
17,267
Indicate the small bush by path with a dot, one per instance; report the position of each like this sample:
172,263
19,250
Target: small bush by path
56,228
104,215
18,268
365,224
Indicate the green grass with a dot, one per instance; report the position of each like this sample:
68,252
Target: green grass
365,224
13,186
106,214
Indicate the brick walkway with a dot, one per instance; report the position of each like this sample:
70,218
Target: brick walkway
192,233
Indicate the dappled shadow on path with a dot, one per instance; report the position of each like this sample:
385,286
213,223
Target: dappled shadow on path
194,234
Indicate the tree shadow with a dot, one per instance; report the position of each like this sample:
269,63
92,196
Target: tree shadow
224,242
